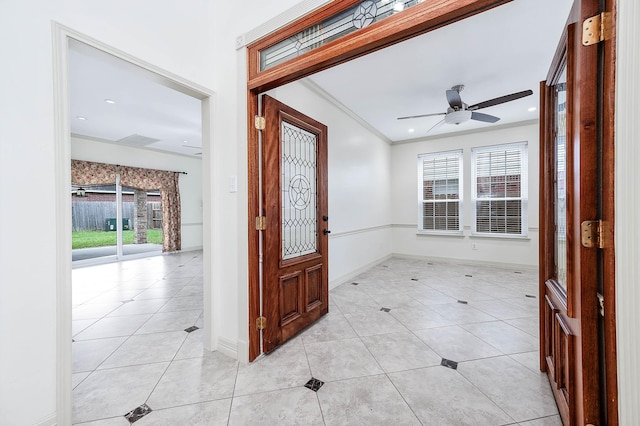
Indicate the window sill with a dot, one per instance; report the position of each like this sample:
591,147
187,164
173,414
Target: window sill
440,233
501,237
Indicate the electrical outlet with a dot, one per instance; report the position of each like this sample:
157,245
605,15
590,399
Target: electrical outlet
473,246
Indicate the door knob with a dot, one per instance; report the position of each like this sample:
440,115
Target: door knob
326,231
325,218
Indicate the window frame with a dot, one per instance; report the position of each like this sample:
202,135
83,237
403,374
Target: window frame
524,190
421,200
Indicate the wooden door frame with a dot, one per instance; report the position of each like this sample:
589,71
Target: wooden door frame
608,214
606,114
417,20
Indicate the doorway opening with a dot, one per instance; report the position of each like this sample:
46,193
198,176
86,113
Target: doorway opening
264,77
188,153
365,93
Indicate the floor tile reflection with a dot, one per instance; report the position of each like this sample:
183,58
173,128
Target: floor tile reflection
397,348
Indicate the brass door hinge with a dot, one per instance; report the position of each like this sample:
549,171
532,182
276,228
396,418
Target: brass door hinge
261,323
260,122
596,29
594,234
261,223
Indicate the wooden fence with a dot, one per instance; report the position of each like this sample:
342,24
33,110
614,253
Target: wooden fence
91,216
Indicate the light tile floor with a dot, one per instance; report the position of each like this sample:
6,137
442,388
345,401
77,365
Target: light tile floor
378,367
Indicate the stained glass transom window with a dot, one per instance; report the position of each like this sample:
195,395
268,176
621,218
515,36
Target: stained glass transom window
299,192
359,16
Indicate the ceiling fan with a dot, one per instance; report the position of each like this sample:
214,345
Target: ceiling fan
459,112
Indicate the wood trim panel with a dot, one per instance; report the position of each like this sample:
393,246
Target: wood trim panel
559,352
309,272
546,348
586,208
572,199
582,171
565,377
608,216
255,209
297,280
545,243
417,20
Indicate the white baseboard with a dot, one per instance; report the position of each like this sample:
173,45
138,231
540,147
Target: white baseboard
346,277
532,268
228,347
50,420
194,248
243,351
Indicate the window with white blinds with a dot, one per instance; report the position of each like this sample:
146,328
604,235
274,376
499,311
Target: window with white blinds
440,192
499,190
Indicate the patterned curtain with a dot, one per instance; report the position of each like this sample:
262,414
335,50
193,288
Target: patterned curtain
90,173
85,173
167,183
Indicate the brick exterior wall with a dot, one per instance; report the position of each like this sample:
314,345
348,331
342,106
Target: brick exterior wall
140,217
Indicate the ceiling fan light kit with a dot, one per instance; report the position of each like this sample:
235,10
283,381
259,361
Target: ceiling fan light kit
457,117
459,112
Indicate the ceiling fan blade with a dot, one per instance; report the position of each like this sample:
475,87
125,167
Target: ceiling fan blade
454,99
420,116
484,117
435,126
501,100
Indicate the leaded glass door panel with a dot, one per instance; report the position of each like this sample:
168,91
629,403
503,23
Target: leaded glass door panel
295,279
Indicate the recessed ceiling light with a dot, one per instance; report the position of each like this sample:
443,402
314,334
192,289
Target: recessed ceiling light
110,101
532,109
412,130
81,118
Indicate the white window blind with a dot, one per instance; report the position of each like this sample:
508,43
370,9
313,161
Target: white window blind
500,189
440,192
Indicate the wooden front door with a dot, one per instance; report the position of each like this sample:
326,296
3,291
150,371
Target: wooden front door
574,191
295,280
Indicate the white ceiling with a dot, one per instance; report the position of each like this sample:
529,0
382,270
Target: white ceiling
146,112
507,49
504,50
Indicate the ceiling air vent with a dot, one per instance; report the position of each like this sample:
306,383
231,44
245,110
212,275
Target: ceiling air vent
136,140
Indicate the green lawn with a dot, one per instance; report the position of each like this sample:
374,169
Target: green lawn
101,238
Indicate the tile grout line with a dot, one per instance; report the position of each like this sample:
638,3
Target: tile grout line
233,393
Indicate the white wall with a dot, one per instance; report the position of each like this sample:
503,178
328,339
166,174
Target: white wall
404,201
230,230
190,184
162,32
359,176
627,208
